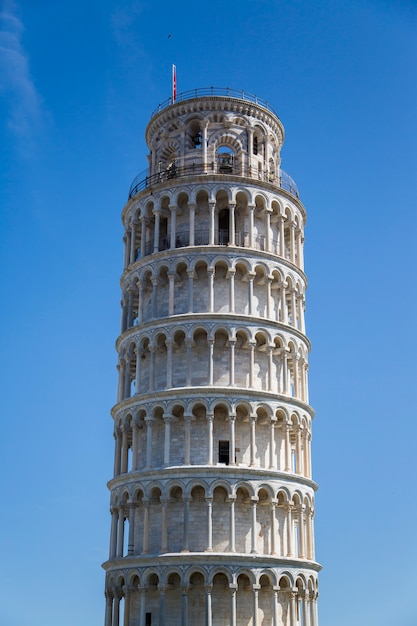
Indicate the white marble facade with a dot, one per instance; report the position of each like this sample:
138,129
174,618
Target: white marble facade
212,497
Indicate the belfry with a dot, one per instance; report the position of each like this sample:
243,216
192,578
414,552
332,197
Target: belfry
212,497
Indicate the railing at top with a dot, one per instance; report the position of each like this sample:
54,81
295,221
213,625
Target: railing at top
142,181
225,92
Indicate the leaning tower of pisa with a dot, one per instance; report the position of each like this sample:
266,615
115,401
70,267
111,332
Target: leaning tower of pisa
212,497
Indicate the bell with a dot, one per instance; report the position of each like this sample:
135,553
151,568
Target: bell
197,140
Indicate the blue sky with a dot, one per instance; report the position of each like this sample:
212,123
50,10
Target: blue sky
78,82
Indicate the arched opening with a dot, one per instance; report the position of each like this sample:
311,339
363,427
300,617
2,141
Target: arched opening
155,519
242,435
221,520
152,601
196,598
179,369
221,358
266,601
244,600
200,358
198,428
225,160
243,520
198,519
173,601
175,518
220,600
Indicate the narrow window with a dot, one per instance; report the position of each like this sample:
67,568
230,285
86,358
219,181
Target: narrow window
148,619
224,452
255,145
224,227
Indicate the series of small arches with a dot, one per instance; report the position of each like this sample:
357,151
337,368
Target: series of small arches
171,434
233,517
219,596
213,215
200,354
184,285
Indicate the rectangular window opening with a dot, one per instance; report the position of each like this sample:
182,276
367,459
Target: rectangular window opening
224,454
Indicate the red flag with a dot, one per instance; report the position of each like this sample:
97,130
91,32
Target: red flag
174,83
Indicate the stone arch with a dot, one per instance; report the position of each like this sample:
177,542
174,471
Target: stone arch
173,581
220,578
181,287
221,434
193,132
182,217
266,581
245,580
198,516
169,153
264,494
242,433
261,359
174,494
200,285
221,356
160,359
242,357
133,579
199,356
260,290
222,142
196,594
243,526
221,516
221,286
242,276
197,412
179,357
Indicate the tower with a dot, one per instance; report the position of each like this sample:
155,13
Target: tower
212,498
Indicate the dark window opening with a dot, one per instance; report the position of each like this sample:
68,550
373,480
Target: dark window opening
148,619
255,145
224,452
224,227
163,234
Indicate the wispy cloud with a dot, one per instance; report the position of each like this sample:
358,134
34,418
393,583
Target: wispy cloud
124,24
16,85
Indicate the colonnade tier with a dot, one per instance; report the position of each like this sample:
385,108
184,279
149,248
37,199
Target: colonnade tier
193,354
226,432
226,284
225,518
209,214
214,594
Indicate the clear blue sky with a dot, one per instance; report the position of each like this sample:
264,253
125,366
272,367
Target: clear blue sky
78,82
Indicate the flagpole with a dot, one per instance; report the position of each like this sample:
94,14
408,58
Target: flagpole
174,83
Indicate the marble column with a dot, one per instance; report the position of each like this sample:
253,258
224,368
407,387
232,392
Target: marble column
131,537
254,502
209,503
233,590
157,215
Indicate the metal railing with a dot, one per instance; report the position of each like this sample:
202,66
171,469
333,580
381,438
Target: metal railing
222,92
142,181
202,238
